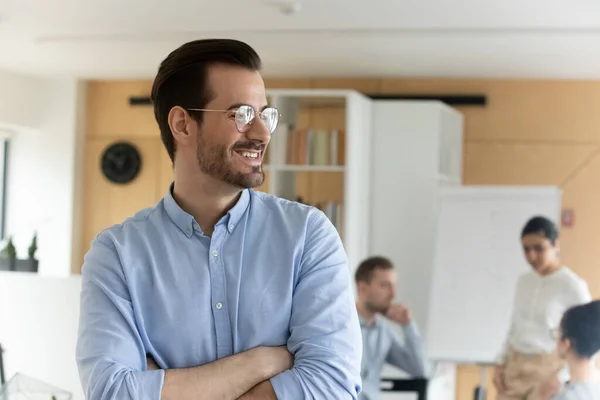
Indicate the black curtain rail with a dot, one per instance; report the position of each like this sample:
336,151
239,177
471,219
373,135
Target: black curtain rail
140,101
449,99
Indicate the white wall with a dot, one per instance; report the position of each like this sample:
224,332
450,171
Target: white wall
39,313
19,99
44,169
38,328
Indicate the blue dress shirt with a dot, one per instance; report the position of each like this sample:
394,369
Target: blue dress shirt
273,273
381,345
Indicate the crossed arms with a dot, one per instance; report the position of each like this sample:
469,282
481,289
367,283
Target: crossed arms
245,374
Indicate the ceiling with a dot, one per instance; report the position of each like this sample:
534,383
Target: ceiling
441,38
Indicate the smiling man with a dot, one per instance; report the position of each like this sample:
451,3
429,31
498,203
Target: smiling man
233,293
542,296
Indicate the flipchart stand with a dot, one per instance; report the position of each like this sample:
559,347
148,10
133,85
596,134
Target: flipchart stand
481,389
2,380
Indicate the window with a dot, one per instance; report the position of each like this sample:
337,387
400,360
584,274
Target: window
4,146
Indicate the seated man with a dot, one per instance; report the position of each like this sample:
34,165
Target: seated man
376,287
578,343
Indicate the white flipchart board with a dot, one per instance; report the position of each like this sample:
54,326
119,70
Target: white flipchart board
478,259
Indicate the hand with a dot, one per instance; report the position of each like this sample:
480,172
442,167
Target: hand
499,379
262,391
274,360
399,314
549,388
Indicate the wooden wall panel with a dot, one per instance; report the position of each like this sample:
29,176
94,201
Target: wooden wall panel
579,245
106,203
521,163
109,112
286,83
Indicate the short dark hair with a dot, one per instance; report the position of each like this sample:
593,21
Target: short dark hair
541,226
182,78
364,272
581,325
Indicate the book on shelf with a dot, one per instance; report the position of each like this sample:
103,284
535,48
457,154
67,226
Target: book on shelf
315,147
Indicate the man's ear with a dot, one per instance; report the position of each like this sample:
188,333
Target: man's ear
179,121
361,286
567,343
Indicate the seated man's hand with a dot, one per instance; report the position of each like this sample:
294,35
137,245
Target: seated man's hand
399,314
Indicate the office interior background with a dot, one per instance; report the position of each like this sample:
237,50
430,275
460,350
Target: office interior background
515,85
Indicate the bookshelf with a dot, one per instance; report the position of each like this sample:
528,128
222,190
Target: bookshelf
320,155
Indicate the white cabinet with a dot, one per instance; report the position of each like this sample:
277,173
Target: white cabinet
374,167
417,147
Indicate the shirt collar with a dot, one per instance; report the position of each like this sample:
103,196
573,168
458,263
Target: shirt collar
187,223
235,214
364,324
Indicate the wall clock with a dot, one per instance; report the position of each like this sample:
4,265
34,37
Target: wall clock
121,162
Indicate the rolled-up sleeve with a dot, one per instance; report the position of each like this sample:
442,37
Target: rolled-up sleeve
325,335
110,353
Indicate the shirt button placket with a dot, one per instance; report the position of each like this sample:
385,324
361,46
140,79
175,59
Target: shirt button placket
221,318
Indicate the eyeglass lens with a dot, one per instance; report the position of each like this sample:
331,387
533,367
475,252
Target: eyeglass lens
244,118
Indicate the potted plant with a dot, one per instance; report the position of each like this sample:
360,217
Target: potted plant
9,256
33,263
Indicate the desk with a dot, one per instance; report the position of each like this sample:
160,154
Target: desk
418,385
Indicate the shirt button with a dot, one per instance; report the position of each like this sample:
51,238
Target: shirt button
219,306
215,253
231,227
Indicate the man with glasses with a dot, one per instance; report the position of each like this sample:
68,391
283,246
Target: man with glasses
232,293
542,296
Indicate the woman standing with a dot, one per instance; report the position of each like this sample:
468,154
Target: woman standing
542,296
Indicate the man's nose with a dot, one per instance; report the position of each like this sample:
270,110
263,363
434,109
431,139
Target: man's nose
259,132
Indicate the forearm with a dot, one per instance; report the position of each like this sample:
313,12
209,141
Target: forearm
262,391
409,357
224,379
417,359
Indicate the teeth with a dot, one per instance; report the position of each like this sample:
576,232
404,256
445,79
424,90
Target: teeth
249,155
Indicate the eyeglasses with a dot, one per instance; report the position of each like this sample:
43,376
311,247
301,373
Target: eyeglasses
245,116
